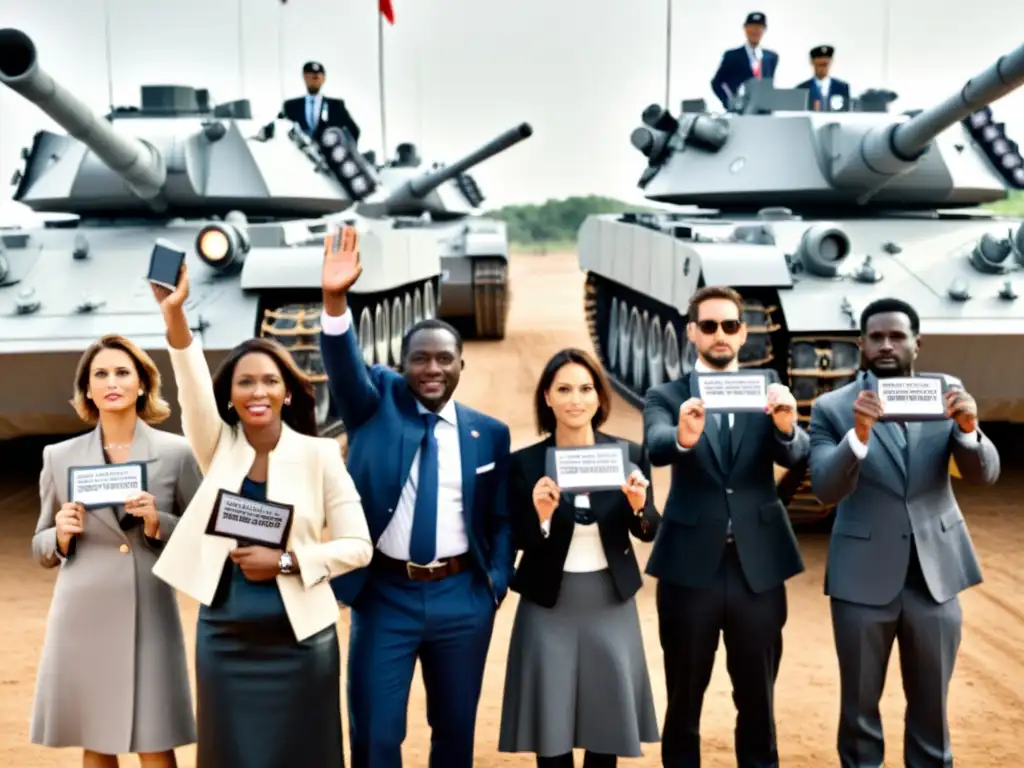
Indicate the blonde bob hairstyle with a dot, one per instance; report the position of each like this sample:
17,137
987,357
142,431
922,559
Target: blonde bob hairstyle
150,406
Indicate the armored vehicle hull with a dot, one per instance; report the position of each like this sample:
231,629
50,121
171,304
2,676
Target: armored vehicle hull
473,250
642,270
55,303
811,216
248,204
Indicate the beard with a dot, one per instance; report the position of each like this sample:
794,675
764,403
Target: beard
719,358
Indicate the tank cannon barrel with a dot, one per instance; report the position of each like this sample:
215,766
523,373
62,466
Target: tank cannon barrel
141,167
423,185
1006,75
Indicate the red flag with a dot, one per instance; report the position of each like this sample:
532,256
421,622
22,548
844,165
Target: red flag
387,10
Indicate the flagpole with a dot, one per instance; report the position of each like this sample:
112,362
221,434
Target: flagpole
380,77
280,49
668,52
110,58
241,53
886,31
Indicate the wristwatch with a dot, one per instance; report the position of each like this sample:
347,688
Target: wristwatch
286,564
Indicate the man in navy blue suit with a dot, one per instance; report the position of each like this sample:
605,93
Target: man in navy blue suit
432,477
748,61
828,94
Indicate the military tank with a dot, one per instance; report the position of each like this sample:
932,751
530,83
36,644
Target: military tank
473,249
810,216
249,203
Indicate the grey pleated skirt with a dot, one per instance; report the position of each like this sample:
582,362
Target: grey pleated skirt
576,676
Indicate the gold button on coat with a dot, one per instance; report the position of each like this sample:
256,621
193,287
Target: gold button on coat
124,549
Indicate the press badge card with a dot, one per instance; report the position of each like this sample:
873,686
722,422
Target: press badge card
733,392
264,523
597,467
912,398
106,485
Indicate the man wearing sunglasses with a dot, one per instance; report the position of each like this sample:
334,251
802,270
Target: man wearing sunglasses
725,547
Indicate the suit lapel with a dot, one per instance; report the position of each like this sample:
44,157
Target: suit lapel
413,429
881,432
710,426
468,438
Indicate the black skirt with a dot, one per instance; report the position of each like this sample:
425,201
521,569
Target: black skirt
265,700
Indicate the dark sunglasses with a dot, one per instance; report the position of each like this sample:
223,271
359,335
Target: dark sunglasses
708,327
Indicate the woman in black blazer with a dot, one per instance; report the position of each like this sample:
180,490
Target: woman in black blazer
577,674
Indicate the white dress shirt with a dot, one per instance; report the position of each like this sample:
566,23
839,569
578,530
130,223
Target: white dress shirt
451,526
823,86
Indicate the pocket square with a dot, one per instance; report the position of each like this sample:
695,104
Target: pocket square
485,468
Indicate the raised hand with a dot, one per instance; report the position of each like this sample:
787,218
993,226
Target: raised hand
781,407
545,498
341,262
963,409
867,409
172,300
691,422
69,522
635,489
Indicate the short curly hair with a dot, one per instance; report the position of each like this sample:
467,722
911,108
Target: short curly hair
151,407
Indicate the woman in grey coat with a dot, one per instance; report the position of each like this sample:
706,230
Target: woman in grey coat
113,677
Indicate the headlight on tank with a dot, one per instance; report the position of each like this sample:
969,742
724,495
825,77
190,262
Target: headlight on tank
222,246
823,248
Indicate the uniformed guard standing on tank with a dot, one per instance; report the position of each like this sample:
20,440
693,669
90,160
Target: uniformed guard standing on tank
828,94
748,61
316,112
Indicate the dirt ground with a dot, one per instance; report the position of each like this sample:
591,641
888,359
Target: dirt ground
986,702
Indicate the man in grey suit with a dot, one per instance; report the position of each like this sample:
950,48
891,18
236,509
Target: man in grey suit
900,551
725,546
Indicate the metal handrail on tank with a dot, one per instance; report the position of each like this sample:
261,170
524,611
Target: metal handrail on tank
409,196
139,164
867,159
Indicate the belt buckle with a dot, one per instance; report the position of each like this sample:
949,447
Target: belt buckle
429,567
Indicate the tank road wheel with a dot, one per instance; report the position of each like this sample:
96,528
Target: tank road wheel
296,327
417,306
611,354
429,303
366,335
638,339
397,330
408,312
381,332
624,341
673,368
655,353
490,297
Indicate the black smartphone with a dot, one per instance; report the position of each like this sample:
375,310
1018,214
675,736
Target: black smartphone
165,263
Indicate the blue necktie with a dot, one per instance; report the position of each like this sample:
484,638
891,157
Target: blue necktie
423,544
310,111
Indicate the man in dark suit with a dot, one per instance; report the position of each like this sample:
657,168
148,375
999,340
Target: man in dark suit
725,547
828,94
748,61
315,112
900,552
432,477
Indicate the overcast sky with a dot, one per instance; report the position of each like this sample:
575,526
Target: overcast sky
460,71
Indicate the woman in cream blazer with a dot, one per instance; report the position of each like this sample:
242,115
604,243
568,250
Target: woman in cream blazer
267,666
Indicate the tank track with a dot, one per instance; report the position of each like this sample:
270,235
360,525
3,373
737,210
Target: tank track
381,319
492,297
642,343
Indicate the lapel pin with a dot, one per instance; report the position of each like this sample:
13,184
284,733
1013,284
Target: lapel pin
474,433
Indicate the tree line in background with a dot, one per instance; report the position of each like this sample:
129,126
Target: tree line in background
553,225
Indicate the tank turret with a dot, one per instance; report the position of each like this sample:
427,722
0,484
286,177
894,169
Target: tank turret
772,154
175,156
407,191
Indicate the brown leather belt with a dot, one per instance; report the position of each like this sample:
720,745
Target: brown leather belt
440,569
